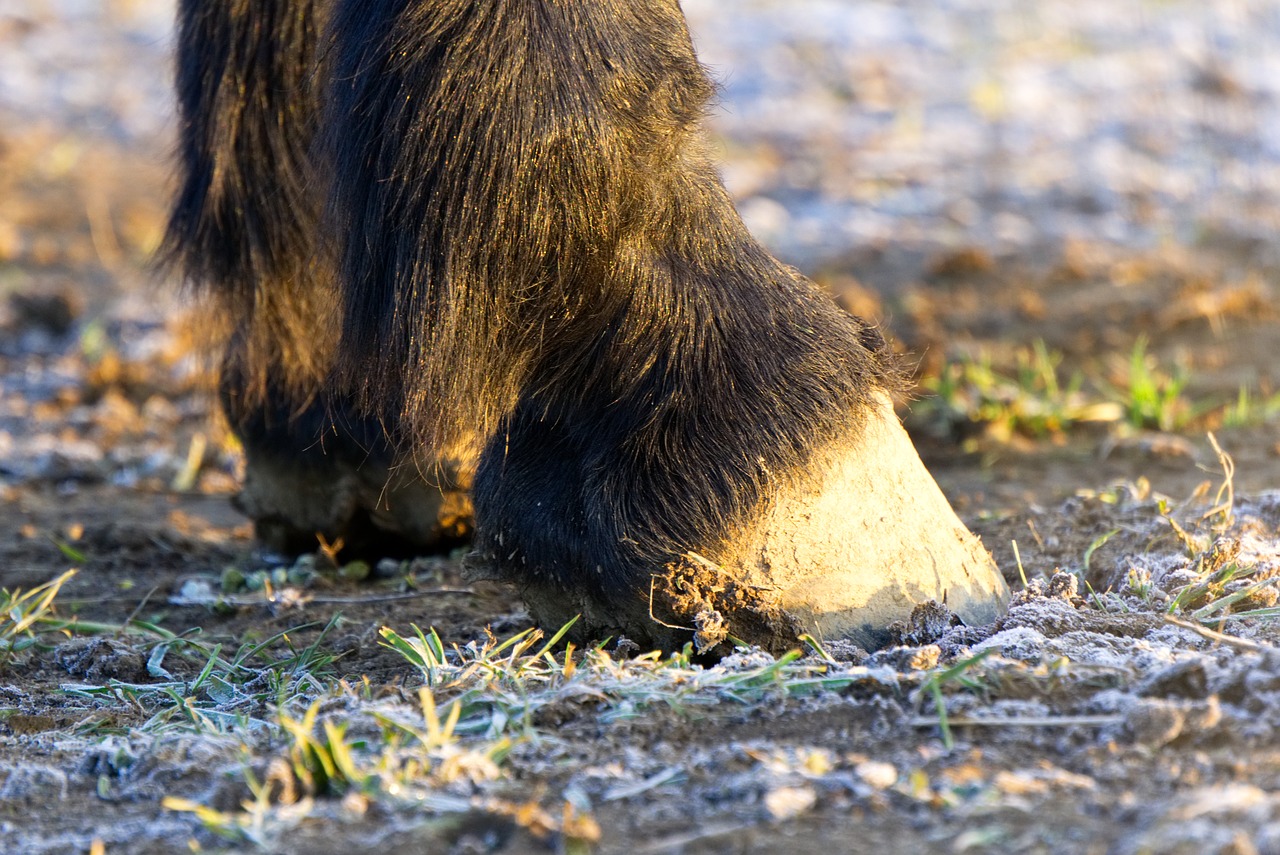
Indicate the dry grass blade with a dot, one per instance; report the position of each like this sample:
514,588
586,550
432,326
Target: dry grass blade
1023,721
21,611
1225,500
1222,637
933,687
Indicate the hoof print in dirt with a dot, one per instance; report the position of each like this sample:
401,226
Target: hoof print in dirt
672,433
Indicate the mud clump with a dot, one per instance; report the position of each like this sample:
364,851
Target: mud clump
928,622
698,591
100,659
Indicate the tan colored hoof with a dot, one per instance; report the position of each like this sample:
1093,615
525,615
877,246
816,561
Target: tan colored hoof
841,557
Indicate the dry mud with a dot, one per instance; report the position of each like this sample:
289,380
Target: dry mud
1091,722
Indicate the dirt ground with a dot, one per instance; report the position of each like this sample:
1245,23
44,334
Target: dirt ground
1115,708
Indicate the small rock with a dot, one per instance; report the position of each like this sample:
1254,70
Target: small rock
388,568
789,802
873,773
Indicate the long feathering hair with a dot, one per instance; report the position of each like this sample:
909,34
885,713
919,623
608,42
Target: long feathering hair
516,184
486,169
244,227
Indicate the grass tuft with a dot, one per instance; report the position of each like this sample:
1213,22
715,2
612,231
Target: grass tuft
25,615
1031,396
1032,400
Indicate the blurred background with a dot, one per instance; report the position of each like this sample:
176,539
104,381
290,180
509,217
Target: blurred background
1063,211
1010,125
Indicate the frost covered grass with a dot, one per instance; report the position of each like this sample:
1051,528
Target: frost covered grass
26,614
462,727
444,746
